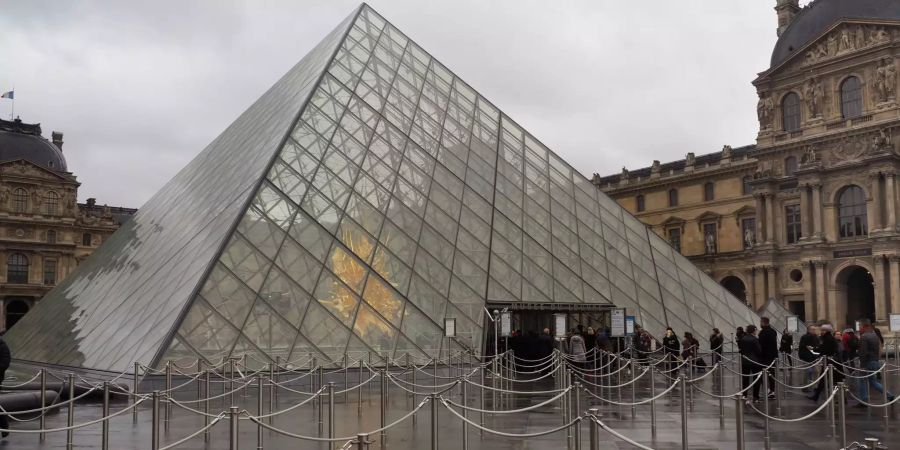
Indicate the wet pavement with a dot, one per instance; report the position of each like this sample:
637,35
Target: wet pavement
705,430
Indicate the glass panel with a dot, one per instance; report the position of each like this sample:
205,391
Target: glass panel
285,296
374,330
337,298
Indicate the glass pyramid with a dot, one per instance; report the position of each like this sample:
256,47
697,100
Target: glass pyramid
368,195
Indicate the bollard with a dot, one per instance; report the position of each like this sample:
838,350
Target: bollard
684,406
465,413
104,442
594,429
766,425
652,402
578,412
383,392
70,419
633,382
842,411
134,392
231,379
154,427
206,403
721,376
362,441
829,387
739,420
259,412
331,424
168,410
233,428
43,422
434,422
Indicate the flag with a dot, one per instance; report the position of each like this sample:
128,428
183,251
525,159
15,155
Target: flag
9,94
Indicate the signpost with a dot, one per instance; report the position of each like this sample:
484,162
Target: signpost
793,324
617,322
895,323
629,325
559,321
505,324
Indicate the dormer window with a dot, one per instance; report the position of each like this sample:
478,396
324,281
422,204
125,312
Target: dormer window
790,112
851,98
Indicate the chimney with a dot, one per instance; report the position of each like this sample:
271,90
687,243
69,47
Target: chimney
787,10
57,139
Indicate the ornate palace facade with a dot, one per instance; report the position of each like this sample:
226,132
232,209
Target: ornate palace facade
44,231
808,215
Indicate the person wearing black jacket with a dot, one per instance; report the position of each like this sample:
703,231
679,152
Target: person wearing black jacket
768,341
5,360
751,355
672,348
828,347
808,342
716,342
787,346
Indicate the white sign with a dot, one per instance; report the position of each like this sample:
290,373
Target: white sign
559,319
629,325
793,324
856,326
450,327
505,324
895,323
617,328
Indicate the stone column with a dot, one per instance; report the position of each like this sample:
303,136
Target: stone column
751,287
880,288
770,218
817,210
772,291
890,201
804,212
809,292
760,218
895,283
759,278
821,291
875,206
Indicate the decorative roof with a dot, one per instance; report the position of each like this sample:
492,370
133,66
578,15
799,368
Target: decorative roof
676,167
19,140
818,16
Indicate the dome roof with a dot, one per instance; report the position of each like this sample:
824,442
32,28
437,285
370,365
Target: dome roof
820,15
19,140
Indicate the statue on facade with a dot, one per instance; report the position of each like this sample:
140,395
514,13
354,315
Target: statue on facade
749,238
832,45
727,152
764,109
809,156
845,44
37,197
690,159
860,37
4,195
710,244
881,141
813,93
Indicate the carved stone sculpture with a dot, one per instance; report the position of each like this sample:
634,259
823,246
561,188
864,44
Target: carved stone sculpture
846,44
749,238
710,244
690,159
814,93
860,37
764,111
885,81
809,156
727,151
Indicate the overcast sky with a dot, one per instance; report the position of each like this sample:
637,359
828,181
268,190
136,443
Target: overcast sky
139,88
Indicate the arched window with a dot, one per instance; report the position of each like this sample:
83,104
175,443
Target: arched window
673,197
709,192
639,200
790,166
851,98
20,200
790,112
51,236
852,220
747,188
17,269
51,203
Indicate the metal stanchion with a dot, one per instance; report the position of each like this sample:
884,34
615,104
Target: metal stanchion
578,412
43,418
842,411
321,400
434,422
690,386
721,376
154,427
633,383
739,420
233,416
206,403
884,397
231,379
383,388
362,442
481,400
259,412
346,367
199,371
567,408
594,429
331,424
273,380
70,419
652,401
134,392
272,390
767,442
684,407
104,442
829,387
360,388
168,409
465,413
777,389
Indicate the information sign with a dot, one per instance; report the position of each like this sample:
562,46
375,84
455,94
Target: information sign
617,323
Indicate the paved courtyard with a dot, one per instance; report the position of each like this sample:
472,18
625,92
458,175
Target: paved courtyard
705,430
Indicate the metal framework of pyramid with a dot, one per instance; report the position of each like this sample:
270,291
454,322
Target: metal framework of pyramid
365,197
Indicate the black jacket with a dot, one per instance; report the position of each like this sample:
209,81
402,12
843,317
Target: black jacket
768,341
751,350
828,345
671,344
787,343
808,340
716,342
5,356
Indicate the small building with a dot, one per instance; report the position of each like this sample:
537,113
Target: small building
44,231
808,215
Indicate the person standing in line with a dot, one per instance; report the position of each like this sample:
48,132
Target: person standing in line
578,350
672,348
828,348
5,360
716,342
870,361
808,342
751,355
787,347
545,345
768,342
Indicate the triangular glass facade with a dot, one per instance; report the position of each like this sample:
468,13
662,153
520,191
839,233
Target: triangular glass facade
390,196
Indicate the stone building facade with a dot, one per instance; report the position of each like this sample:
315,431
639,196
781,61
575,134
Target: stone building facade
44,231
808,215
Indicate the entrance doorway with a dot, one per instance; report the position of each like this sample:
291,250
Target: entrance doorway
532,319
857,287
737,288
15,309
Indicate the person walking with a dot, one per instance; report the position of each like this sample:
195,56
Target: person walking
716,342
828,348
672,349
751,355
808,342
5,359
869,361
786,347
768,342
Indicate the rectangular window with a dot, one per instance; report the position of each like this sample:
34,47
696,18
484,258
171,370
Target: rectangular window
640,203
748,232
49,272
675,239
709,192
710,238
86,239
792,220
